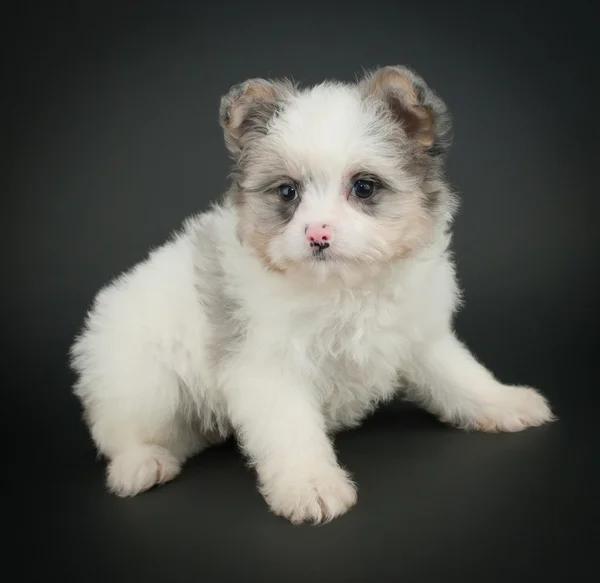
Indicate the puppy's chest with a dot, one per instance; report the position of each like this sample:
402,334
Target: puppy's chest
353,345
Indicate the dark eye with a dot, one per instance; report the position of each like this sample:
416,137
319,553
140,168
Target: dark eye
363,188
288,192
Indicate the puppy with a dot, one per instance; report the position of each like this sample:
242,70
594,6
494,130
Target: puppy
319,285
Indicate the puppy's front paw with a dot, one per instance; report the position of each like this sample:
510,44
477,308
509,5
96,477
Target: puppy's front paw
515,409
317,497
140,468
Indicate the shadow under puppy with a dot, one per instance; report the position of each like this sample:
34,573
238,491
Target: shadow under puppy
319,284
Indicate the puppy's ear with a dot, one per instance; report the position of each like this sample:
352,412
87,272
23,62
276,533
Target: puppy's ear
248,108
422,114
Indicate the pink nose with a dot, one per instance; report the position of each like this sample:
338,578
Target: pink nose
319,233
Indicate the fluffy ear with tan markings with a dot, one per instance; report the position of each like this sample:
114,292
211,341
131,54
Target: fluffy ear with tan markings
246,110
421,113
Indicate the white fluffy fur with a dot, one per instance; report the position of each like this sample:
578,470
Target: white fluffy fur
316,352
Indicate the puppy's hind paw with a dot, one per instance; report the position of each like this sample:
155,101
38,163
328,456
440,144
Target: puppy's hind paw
518,409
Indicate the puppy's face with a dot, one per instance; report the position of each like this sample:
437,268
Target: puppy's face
336,176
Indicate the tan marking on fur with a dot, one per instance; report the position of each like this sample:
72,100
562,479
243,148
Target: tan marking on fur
234,119
426,133
255,92
492,426
424,130
260,92
487,426
408,237
324,510
392,78
259,241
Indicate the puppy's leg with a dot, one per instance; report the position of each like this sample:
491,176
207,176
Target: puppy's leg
282,430
448,380
136,422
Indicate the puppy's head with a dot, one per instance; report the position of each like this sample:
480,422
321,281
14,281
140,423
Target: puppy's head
338,175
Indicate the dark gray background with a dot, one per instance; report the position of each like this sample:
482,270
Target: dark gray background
110,138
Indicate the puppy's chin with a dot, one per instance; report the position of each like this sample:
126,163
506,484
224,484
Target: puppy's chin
334,269
341,272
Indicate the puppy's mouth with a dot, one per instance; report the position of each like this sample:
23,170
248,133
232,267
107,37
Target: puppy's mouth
320,251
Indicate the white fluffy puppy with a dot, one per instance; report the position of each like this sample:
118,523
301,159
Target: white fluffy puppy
318,287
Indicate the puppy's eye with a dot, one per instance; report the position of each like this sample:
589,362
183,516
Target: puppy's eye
363,188
288,192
